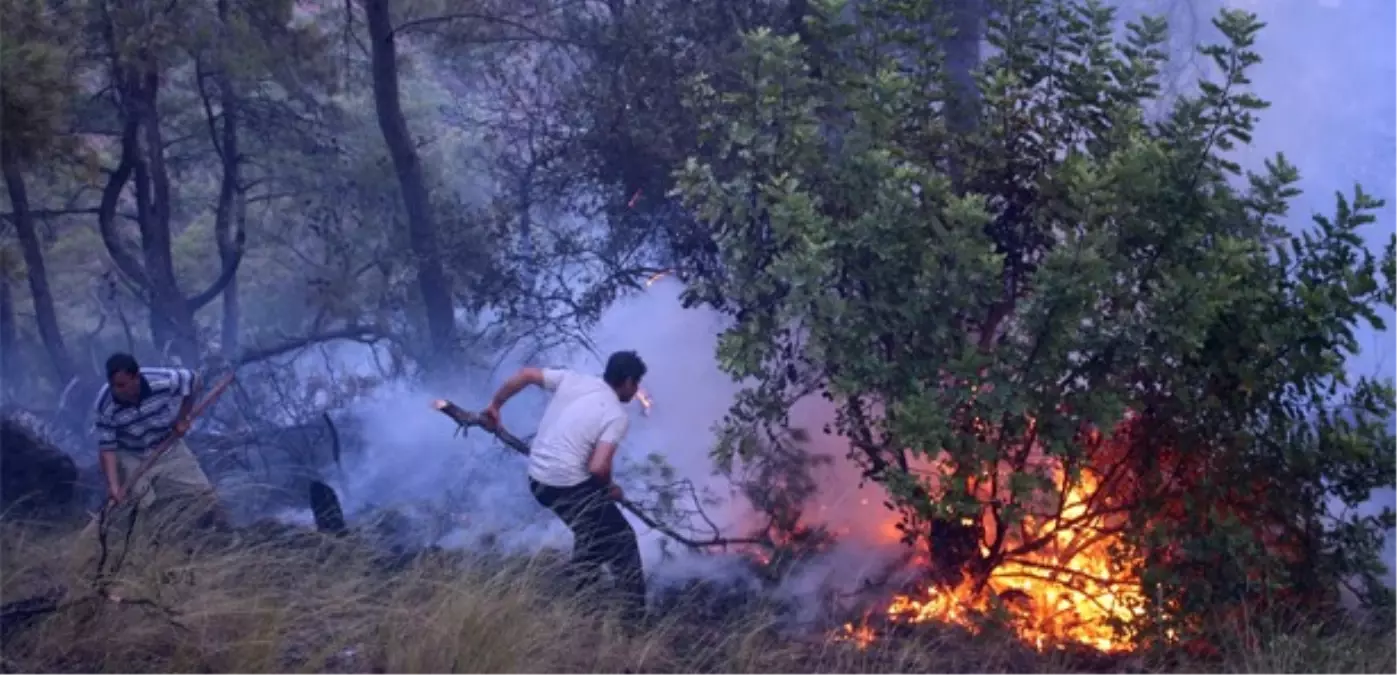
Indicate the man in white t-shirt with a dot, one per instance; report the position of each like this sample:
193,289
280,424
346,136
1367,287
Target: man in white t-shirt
570,463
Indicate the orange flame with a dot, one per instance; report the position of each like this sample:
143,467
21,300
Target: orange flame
1071,590
645,401
861,636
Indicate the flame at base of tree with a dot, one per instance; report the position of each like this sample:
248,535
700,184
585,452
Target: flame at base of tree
1061,558
1079,587
1070,575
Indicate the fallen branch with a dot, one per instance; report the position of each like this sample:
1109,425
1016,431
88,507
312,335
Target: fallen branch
467,419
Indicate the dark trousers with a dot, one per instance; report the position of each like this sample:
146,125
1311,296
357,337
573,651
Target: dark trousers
601,536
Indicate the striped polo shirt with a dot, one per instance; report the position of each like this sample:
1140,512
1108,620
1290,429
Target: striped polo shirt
138,427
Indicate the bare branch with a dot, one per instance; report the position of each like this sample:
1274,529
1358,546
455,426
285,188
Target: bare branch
226,274
355,332
527,32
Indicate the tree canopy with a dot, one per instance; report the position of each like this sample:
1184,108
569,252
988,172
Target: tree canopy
1066,294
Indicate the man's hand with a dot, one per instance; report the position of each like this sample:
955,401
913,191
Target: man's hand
181,427
115,493
615,493
490,417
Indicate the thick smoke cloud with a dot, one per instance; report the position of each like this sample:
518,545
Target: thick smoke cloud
473,493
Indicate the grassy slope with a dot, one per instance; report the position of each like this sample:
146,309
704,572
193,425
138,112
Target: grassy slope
305,604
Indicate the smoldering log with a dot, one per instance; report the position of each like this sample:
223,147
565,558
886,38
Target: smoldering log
325,507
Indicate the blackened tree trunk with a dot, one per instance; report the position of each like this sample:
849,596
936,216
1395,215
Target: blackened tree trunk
431,278
27,232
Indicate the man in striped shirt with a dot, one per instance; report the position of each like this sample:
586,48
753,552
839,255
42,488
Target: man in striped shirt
138,410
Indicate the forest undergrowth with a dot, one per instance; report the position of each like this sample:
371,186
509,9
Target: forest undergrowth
304,602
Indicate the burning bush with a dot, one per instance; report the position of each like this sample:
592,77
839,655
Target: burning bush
1101,383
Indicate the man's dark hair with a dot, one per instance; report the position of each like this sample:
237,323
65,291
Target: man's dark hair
121,362
623,366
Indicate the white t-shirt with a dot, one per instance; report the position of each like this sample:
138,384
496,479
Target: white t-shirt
583,412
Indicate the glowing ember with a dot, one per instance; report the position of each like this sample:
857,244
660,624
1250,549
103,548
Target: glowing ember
861,636
1072,590
656,277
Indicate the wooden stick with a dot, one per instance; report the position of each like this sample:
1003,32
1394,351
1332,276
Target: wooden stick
467,419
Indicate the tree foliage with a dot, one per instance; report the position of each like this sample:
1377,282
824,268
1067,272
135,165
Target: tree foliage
36,77
1069,294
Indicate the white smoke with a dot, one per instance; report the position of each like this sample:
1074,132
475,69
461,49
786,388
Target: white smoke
472,492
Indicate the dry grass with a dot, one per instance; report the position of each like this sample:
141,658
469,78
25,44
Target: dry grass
303,603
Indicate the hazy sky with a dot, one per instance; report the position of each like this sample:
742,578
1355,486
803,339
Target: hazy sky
1331,76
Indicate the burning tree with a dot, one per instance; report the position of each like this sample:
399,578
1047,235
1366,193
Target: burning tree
1103,385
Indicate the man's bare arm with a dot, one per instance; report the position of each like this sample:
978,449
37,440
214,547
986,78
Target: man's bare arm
196,384
107,458
106,453
516,383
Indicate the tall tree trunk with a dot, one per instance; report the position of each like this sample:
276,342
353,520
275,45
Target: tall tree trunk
956,546
27,232
431,279
9,361
228,227
232,316
171,318
232,207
